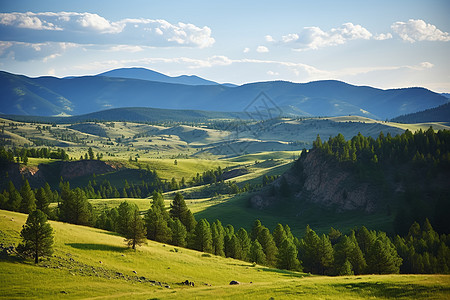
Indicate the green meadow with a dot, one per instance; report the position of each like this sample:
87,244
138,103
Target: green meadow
90,263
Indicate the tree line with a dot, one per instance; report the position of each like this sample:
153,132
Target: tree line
362,251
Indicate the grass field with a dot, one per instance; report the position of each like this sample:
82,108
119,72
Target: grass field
92,263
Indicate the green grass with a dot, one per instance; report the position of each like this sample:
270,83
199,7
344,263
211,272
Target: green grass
237,211
86,263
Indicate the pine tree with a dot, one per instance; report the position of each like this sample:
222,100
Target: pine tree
14,198
28,203
91,155
124,217
179,209
268,245
287,256
308,250
217,232
256,254
279,235
179,233
157,220
325,255
202,236
256,228
75,207
42,202
345,269
37,235
245,242
136,232
383,257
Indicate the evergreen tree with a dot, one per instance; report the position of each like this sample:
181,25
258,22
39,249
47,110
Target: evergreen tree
308,251
217,232
256,254
256,228
202,236
365,239
136,232
245,243
28,202
124,216
325,255
268,245
37,235
157,220
383,257
75,207
14,198
287,256
42,202
91,155
179,233
345,269
179,209
279,235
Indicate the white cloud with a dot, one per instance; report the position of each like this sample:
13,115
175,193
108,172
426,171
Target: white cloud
292,37
88,28
419,30
269,38
315,37
272,73
20,51
262,49
127,48
246,50
383,36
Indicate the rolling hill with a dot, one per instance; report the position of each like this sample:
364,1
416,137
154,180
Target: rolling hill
436,114
80,95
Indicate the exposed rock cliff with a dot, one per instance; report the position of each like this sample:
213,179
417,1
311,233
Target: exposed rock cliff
319,181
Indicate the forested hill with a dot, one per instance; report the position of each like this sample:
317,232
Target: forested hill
407,176
437,114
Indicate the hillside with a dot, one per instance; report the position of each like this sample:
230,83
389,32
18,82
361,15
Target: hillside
436,114
81,95
370,176
89,262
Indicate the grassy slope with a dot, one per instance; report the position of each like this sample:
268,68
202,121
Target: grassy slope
79,250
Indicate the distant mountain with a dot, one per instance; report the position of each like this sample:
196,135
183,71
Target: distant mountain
447,95
48,96
437,114
133,114
146,74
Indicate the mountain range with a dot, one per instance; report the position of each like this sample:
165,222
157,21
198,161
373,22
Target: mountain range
47,96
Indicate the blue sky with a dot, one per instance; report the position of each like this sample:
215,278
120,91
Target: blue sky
385,44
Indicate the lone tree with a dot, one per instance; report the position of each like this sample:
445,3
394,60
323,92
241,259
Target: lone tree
37,236
136,232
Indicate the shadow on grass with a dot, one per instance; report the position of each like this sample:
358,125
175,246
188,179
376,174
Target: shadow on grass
101,247
284,272
392,290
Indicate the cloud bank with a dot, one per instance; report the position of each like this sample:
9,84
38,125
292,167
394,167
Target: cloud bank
418,30
88,28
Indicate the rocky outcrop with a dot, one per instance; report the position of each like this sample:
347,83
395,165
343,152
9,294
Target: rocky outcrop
315,179
335,187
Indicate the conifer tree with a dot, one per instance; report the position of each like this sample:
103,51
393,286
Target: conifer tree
179,209
217,232
28,203
202,236
245,242
157,220
42,201
37,235
287,256
382,257
124,216
256,254
308,250
136,232
325,255
14,198
268,245
279,235
179,233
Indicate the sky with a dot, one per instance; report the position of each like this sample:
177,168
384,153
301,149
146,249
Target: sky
384,44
